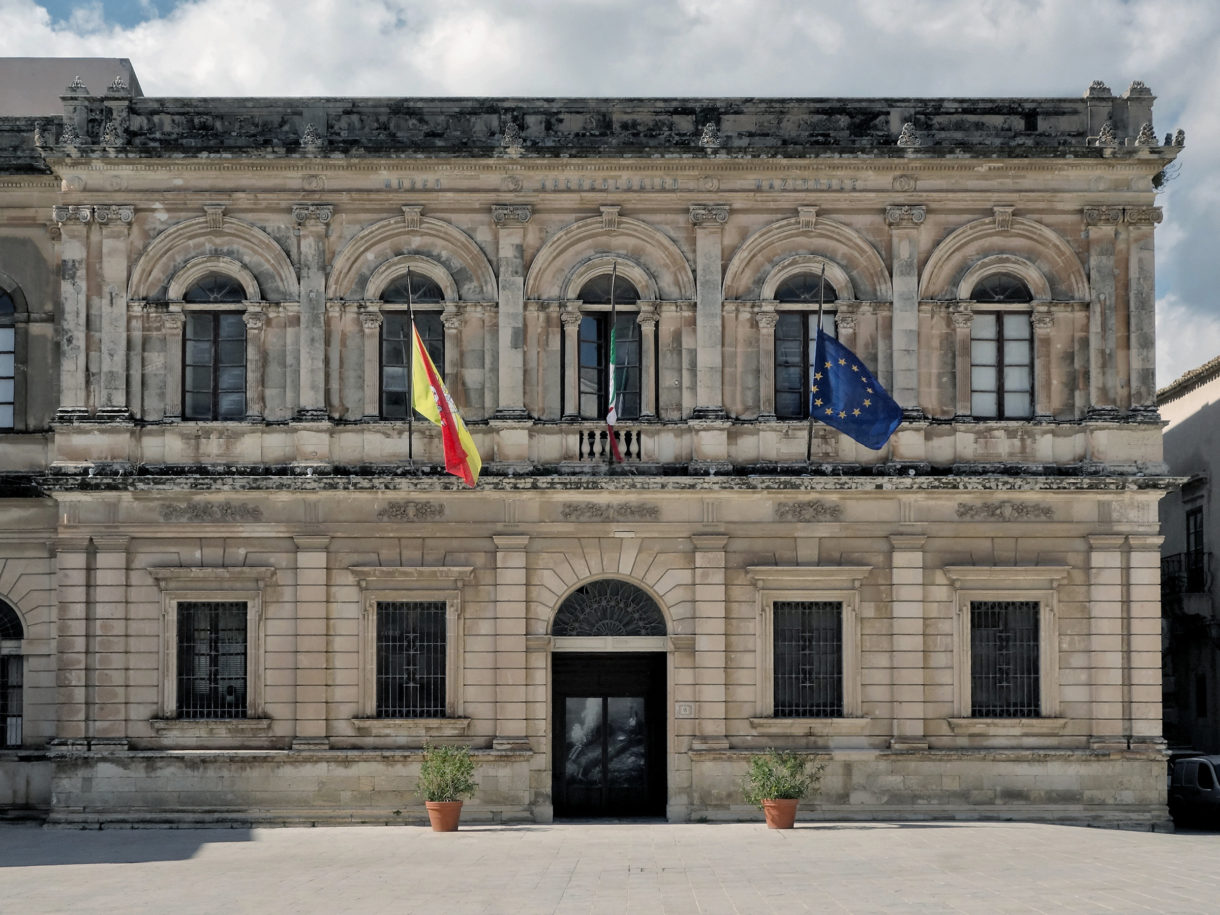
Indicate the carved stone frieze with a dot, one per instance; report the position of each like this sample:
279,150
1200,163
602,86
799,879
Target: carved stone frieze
411,511
1142,216
1003,218
708,215
808,217
1043,319
254,320
610,218
904,183
215,213
123,213
313,182
411,216
962,316
908,138
62,214
312,212
205,512
595,511
905,216
807,512
1103,216
502,214
370,318
1005,511
766,317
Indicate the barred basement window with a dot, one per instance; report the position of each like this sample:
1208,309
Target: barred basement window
212,659
808,659
10,700
1004,659
410,659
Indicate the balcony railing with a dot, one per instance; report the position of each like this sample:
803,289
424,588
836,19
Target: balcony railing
1185,573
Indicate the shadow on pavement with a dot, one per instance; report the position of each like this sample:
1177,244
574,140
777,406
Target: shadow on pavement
35,846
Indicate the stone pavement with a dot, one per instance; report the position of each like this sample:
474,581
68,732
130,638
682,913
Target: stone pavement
630,867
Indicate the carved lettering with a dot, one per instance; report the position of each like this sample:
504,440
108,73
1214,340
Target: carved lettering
594,511
1004,511
204,512
411,511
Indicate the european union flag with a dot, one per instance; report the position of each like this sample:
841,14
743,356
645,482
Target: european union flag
844,394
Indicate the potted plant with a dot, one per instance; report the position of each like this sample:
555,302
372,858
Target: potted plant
777,780
446,777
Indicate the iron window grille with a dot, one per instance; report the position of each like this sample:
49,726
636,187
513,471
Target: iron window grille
608,607
410,659
212,648
808,655
214,365
1005,671
796,338
396,355
10,700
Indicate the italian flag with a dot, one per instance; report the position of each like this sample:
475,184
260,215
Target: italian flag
612,412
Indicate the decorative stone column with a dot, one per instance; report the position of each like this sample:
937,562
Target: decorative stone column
312,222
571,317
670,373
334,358
312,654
907,666
904,223
767,318
536,360
74,279
135,358
255,320
711,688
1141,304
1101,229
370,325
1144,639
172,322
510,358
107,644
845,326
1043,321
1106,637
648,359
451,320
962,318
115,222
709,299
511,662
71,639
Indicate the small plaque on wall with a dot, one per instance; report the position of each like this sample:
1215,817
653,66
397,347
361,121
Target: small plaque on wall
684,710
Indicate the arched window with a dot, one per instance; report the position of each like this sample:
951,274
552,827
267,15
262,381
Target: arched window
796,328
11,634
425,295
8,361
214,361
1001,349
594,347
608,607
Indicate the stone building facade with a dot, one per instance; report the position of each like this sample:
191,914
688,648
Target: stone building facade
238,586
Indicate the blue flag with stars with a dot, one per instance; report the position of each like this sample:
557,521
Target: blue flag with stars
844,394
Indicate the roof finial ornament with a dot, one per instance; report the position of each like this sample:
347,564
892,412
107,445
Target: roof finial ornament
1146,135
711,137
118,84
1106,137
77,85
311,138
1179,138
512,142
908,138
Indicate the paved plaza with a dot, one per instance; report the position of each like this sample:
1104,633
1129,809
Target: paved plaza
612,867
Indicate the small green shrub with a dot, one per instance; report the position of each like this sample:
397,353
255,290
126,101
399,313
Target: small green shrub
446,774
776,774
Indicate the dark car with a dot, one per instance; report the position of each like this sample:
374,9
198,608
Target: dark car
1194,791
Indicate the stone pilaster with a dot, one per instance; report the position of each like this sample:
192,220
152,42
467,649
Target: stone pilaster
510,357
1144,640
709,299
107,643
672,362
511,661
1101,229
962,318
335,317
648,369
571,317
1107,634
312,651
312,222
135,358
1141,304
255,321
74,279
1043,321
451,321
172,323
71,639
711,688
767,319
370,327
115,222
907,666
904,223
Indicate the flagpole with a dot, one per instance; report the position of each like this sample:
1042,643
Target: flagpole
809,399
410,371
612,391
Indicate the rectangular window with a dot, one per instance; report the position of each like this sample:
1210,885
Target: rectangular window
410,659
8,376
808,659
594,373
10,701
396,357
212,649
796,334
1001,366
214,366
1196,563
1005,671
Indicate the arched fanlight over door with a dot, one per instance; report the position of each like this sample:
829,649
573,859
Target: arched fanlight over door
608,608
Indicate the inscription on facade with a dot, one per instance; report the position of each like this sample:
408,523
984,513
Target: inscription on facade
411,511
211,512
1005,511
594,511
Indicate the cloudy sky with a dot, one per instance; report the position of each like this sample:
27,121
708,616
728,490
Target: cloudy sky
702,47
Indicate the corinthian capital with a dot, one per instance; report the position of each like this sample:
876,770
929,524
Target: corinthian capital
709,215
905,217
517,213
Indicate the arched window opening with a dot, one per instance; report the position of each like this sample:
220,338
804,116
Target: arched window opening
1003,288
396,350
216,288
1001,350
11,671
608,607
796,339
8,361
594,349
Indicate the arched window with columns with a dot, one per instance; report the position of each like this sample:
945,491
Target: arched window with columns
8,361
589,354
1001,348
798,297
11,676
427,299
214,349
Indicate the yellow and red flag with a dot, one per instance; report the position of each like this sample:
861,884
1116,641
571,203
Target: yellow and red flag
432,401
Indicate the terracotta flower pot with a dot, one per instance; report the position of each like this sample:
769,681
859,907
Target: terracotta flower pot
444,815
780,813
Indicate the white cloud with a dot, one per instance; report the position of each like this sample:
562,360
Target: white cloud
1185,338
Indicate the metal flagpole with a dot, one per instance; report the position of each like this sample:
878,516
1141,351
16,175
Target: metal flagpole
613,387
814,367
411,372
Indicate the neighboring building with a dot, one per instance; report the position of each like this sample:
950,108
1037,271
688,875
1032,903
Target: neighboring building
238,586
1191,408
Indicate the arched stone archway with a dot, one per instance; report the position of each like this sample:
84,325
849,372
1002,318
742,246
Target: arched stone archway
608,607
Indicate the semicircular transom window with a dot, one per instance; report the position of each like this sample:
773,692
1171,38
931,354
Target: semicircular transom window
1001,287
422,289
7,305
216,287
608,607
10,622
597,290
810,288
